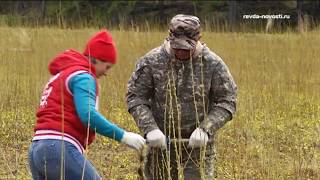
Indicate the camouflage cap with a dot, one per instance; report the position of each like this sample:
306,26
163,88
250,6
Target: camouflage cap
184,31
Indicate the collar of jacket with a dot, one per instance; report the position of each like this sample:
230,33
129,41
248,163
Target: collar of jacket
197,52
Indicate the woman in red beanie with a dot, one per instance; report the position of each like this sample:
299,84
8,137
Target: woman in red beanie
68,117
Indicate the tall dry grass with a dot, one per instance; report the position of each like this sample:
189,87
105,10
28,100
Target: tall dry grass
274,135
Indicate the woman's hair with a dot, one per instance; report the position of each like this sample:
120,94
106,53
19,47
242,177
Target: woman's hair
92,59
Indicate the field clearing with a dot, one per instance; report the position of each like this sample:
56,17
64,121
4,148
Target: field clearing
274,135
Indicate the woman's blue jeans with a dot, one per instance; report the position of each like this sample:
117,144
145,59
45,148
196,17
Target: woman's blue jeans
48,161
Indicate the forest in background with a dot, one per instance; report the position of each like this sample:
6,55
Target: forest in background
146,15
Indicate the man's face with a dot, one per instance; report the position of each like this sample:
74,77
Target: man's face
102,68
183,54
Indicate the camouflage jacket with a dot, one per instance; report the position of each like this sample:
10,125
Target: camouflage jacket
179,96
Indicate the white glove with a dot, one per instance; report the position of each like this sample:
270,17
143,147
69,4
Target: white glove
156,138
198,138
133,140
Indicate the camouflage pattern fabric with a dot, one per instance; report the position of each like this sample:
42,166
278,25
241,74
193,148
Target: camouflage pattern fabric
179,96
184,31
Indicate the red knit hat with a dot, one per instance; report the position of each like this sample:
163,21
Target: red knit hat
102,47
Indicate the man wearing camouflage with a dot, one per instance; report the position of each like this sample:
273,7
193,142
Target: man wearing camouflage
180,94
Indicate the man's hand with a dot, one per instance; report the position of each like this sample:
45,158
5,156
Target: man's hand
198,138
156,138
133,140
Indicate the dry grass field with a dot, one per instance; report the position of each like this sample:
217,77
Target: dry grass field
274,135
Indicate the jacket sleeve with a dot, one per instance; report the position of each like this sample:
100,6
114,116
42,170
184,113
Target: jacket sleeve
140,90
223,97
83,87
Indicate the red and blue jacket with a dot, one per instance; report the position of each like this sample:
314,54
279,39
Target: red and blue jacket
69,103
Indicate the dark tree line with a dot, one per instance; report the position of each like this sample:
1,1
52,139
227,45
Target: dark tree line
226,14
